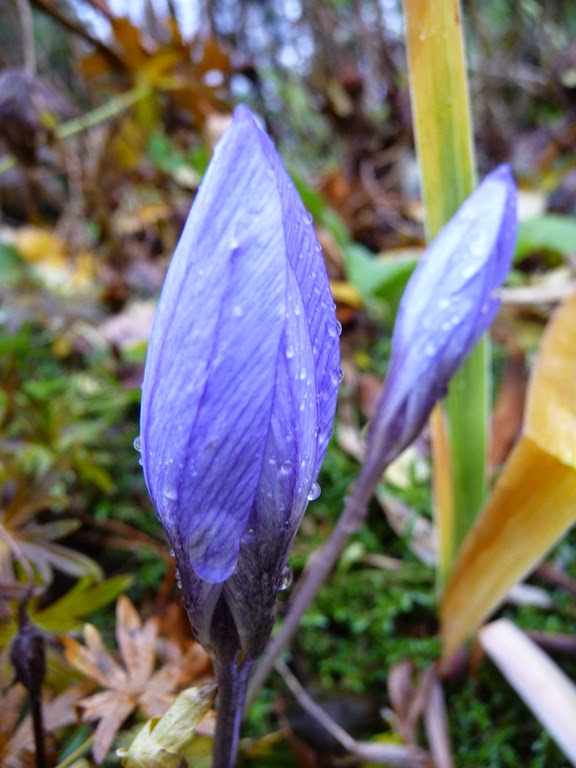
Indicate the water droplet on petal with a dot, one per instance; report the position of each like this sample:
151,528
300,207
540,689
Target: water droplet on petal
340,374
289,352
314,492
170,493
140,461
237,311
138,444
286,578
172,553
303,374
249,536
286,468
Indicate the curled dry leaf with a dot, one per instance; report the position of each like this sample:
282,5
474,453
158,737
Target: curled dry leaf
161,742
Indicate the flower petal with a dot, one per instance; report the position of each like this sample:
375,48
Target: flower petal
241,377
448,304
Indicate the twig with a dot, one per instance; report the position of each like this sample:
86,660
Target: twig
398,755
28,46
537,294
90,119
103,113
77,29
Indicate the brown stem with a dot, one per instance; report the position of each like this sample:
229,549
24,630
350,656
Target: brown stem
398,755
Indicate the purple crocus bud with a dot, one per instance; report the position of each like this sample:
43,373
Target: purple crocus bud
448,303
239,389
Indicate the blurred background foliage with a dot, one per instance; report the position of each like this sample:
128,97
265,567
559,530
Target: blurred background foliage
108,114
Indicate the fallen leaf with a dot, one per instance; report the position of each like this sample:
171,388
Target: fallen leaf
17,740
534,499
144,680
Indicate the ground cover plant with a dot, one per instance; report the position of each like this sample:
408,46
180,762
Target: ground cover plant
400,632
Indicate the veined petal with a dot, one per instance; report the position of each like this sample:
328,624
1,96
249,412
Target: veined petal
241,376
448,304
310,296
210,374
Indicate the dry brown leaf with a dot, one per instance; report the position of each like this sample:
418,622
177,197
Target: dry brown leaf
17,741
147,680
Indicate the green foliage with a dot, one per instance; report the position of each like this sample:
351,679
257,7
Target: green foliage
491,727
381,281
364,621
548,233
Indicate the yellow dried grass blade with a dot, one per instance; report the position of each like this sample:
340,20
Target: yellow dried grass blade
534,500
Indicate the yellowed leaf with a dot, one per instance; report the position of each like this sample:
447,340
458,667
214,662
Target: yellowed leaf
162,741
346,293
534,500
551,407
38,245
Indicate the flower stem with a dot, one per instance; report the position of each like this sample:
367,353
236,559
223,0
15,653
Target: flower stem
232,686
351,519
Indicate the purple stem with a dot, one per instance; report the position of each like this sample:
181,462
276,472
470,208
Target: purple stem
351,519
232,687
